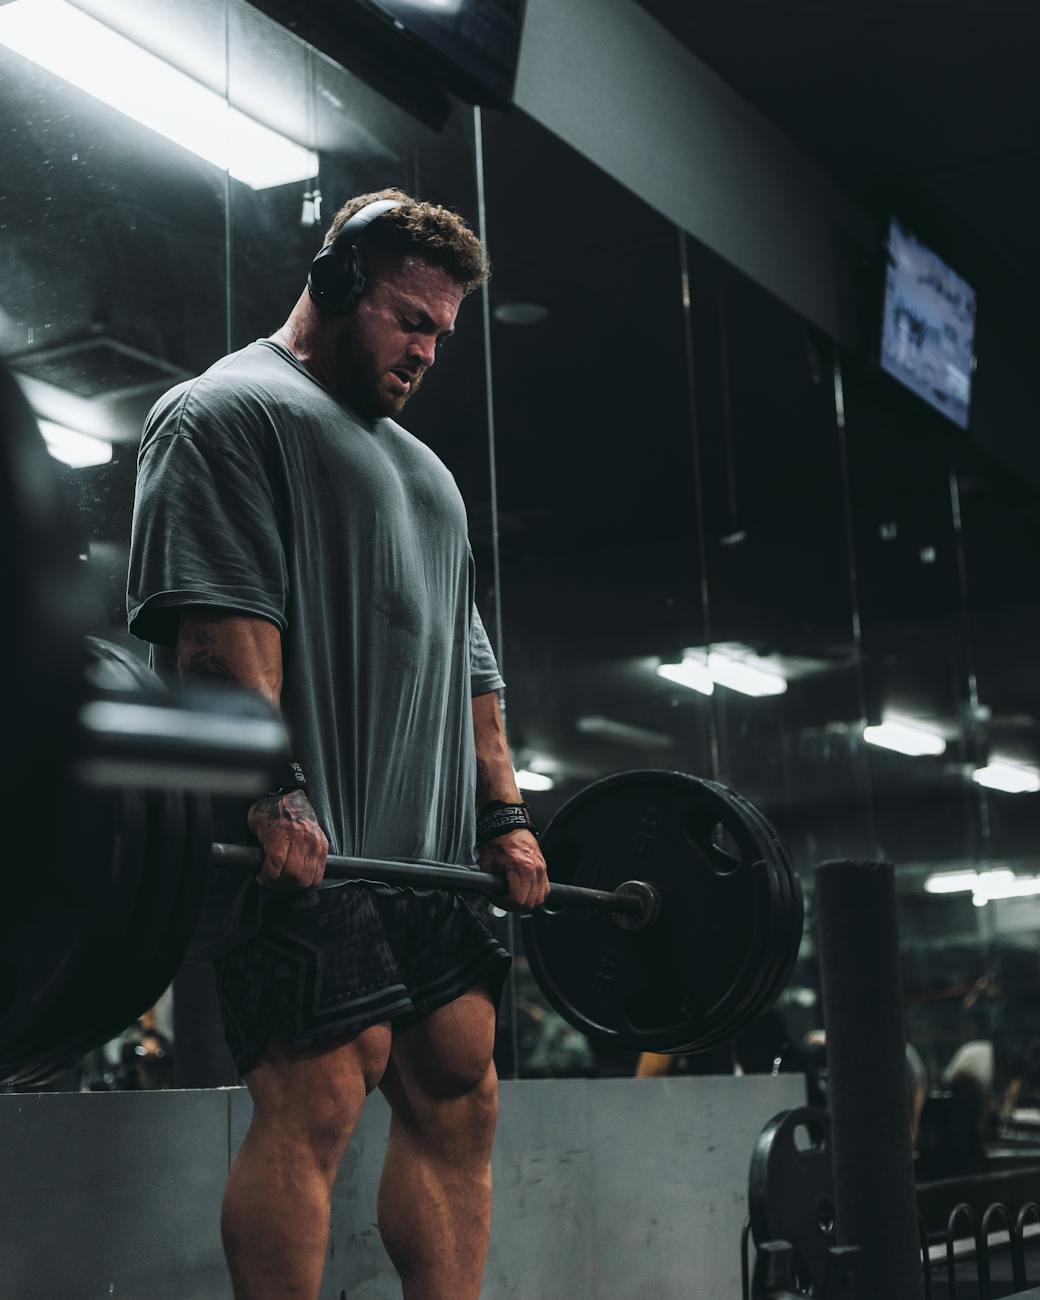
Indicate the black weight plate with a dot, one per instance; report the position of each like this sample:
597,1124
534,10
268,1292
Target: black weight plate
791,1190
64,922
747,1001
745,1009
76,1020
190,872
54,947
789,936
785,940
142,968
51,907
46,610
679,980
196,865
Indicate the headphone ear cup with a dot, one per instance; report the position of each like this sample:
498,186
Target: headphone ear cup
336,280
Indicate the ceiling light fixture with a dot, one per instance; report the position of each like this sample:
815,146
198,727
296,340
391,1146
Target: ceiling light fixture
76,449
691,673
1013,778
905,738
951,882
745,672
984,886
64,40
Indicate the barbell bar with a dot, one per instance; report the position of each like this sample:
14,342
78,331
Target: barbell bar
634,904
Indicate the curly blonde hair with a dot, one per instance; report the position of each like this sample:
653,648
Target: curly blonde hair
437,235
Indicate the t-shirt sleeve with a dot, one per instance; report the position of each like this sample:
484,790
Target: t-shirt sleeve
205,525
483,667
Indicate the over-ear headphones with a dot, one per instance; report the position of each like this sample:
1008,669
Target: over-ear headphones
337,277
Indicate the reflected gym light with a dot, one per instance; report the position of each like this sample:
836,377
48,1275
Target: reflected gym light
905,738
98,60
1011,777
983,885
526,780
76,449
692,673
1003,884
951,882
744,675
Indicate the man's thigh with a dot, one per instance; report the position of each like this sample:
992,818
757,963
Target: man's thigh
318,1086
447,1053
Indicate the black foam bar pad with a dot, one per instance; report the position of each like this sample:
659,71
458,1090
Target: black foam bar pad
874,1198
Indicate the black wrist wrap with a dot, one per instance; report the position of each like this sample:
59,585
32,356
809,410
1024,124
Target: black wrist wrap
497,818
294,779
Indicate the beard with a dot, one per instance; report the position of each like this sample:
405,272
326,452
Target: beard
365,383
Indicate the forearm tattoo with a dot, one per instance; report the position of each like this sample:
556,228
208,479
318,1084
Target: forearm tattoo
282,810
199,659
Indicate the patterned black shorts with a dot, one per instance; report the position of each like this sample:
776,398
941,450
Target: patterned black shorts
328,963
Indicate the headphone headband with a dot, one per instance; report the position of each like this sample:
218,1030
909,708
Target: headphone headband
364,218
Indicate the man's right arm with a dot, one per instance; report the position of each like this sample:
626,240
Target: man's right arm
221,646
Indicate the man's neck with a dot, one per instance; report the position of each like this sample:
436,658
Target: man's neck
312,348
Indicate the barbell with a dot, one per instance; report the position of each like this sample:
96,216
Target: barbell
634,904
673,921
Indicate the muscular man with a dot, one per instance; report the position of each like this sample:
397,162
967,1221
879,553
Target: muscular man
291,537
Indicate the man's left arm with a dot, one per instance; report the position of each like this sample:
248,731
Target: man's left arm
515,855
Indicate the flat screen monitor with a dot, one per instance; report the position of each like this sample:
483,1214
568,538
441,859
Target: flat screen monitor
480,38
928,329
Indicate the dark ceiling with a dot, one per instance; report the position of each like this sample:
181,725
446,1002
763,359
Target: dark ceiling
930,104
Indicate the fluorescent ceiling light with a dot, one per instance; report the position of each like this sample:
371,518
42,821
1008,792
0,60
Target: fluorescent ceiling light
1004,884
527,780
905,738
983,885
692,673
98,60
75,449
952,882
744,674
1012,777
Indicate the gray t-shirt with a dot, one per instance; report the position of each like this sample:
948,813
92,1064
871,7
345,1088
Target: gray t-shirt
258,491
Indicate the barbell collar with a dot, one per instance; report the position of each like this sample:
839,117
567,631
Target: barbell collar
634,905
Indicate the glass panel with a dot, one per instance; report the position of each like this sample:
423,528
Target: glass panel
997,512
113,245
916,670
782,644
596,491
113,289
136,253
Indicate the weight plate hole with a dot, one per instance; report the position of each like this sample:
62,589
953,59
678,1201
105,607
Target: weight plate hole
724,851
714,840
808,1137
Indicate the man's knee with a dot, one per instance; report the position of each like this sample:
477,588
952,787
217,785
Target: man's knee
310,1101
453,1109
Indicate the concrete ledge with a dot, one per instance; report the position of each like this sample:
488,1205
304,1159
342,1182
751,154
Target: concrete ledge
606,1188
